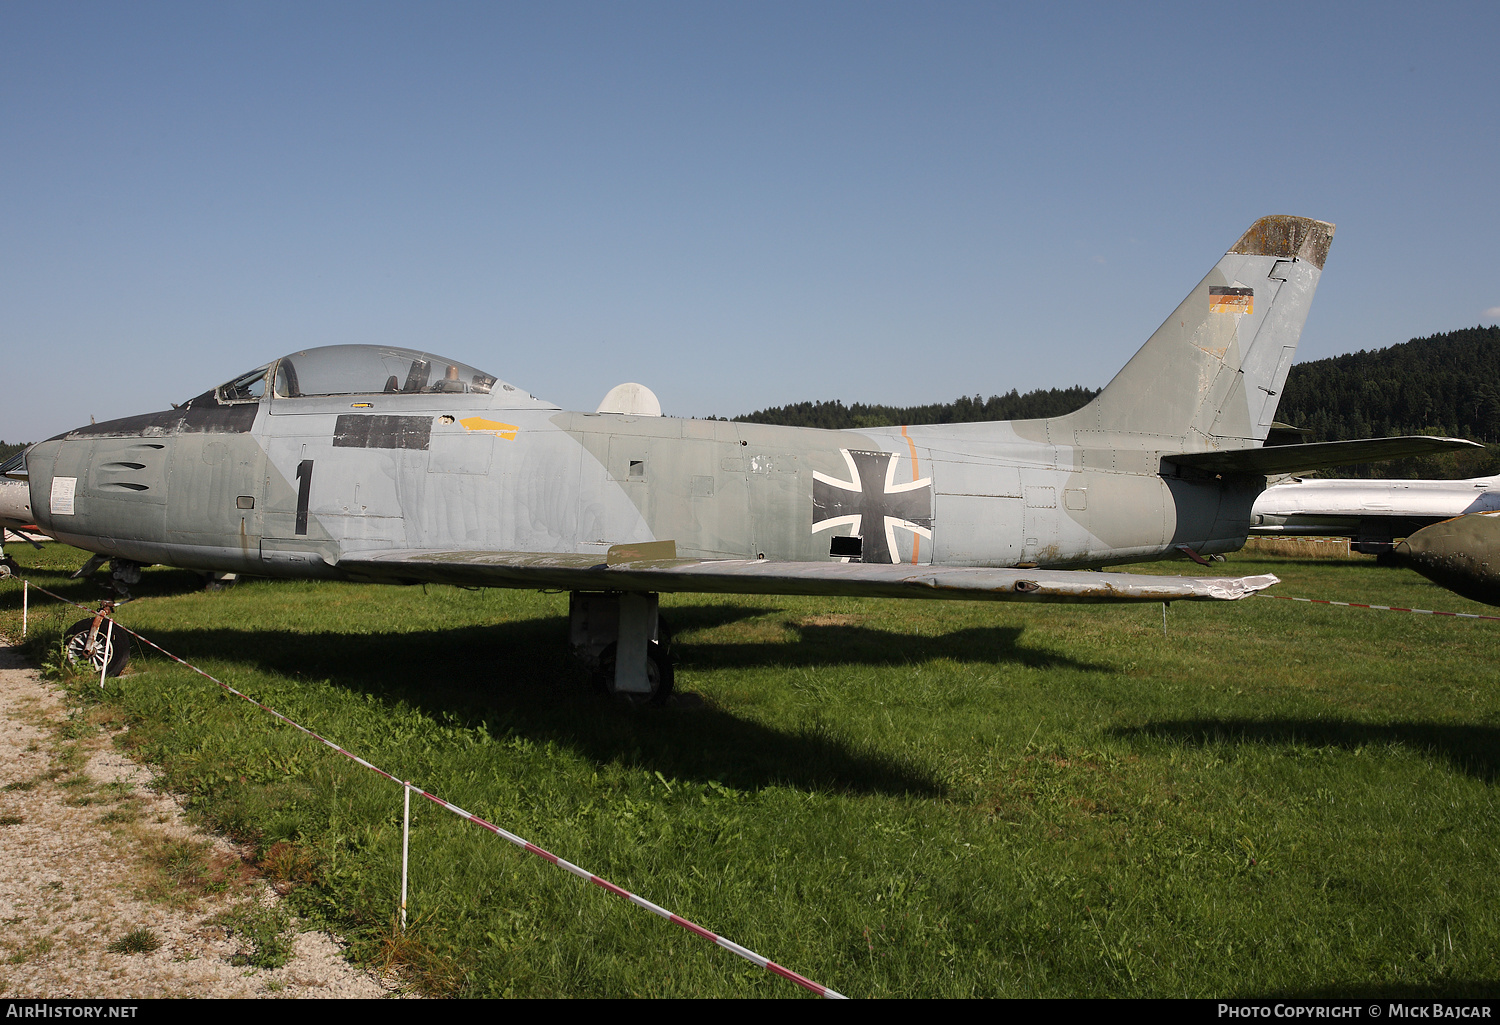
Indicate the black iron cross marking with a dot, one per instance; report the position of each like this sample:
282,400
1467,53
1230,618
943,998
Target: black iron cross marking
871,504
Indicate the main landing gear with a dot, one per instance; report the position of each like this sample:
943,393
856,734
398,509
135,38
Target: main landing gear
625,640
123,574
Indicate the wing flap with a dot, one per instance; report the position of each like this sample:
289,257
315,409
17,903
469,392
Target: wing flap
588,573
1317,455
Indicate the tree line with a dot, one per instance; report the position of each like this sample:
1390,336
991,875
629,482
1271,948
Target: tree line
835,416
1445,384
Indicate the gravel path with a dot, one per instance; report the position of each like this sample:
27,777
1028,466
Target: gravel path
83,844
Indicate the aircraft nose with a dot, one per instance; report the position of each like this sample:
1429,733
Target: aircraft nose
1461,554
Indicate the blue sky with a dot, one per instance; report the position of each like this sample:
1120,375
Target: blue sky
739,205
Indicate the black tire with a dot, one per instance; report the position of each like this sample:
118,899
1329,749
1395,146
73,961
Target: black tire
111,650
658,672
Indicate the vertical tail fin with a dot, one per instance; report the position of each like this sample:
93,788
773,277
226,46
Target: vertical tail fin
1211,376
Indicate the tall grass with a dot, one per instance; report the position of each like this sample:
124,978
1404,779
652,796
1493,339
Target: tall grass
894,798
1302,548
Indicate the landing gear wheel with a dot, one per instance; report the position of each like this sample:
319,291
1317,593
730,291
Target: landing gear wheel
658,673
219,581
8,567
109,653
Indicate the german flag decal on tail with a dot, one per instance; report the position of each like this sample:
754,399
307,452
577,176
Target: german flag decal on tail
1223,299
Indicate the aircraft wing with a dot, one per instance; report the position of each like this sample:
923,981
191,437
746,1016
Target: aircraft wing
652,567
1316,456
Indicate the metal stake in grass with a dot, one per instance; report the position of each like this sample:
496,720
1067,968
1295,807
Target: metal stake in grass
405,843
25,604
1164,619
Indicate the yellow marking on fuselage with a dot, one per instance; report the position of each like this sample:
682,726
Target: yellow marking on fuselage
495,427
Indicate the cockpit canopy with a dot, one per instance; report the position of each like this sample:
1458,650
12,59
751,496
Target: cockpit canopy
375,369
359,370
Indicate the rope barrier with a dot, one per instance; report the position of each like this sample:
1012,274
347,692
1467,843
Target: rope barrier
1381,608
526,845
1259,540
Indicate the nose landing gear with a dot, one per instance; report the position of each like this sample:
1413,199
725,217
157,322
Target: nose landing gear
94,644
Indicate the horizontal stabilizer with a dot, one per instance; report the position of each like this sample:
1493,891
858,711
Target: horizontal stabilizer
866,580
1316,456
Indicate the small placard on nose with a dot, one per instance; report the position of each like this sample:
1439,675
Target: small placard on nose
245,502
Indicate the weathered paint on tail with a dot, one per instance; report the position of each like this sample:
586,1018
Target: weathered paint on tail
1211,376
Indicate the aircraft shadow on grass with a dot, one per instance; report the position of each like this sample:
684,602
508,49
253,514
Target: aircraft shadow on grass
517,678
1474,750
860,645
687,618
834,643
159,583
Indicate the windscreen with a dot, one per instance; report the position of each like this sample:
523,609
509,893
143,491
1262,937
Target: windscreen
245,388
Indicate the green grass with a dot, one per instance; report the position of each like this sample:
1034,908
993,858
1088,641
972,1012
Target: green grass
893,798
264,934
140,940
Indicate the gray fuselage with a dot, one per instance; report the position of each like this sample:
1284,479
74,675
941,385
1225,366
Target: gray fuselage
289,486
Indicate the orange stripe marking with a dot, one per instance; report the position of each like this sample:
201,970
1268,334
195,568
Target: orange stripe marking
916,539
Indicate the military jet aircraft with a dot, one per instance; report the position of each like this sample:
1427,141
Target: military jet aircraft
15,509
1371,513
1461,554
1451,527
386,464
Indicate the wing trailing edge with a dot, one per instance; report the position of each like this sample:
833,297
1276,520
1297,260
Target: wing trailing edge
588,573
